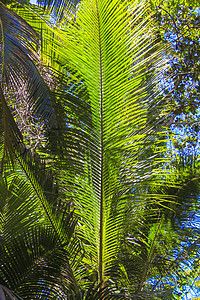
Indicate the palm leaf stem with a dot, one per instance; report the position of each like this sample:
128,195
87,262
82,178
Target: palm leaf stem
100,267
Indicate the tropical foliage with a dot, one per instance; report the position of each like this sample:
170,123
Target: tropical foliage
96,202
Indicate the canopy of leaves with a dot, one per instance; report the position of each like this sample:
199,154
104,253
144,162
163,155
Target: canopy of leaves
101,208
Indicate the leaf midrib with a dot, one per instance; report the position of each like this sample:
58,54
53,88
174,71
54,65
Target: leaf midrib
100,267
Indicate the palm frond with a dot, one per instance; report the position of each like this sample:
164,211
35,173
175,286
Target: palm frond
35,258
18,57
30,246
111,62
19,44
95,292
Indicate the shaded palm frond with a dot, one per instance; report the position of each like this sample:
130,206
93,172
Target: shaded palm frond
31,248
95,292
19,44
35,264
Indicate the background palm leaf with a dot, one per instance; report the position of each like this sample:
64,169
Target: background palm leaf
30,246
19,44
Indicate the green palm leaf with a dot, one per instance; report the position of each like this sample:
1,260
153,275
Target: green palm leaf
108,48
